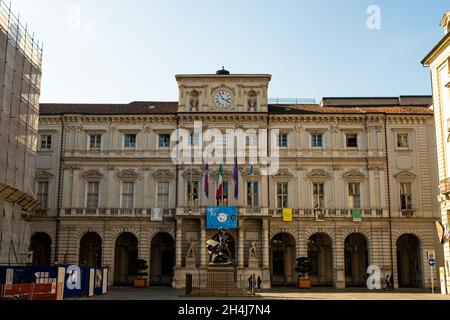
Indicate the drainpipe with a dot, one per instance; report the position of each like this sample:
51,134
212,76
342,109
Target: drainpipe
60,188
389,195
177,168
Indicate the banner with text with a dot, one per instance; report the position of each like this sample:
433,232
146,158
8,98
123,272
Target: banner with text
221,217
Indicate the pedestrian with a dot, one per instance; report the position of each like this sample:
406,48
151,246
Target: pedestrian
259,283
387,282
250,283
391,283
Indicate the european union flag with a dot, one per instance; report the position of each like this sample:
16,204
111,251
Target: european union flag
221,218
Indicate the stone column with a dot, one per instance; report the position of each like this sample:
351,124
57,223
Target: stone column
265,244
241,245
203,254
178,248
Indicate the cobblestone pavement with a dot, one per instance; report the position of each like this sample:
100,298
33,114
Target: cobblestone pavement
288,293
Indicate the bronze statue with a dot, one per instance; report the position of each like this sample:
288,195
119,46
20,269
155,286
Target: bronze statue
218,250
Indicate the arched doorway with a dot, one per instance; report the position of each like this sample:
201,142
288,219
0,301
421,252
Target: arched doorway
91,250
283,259
356,260
409,271
320,254
162,259
41,245
125,259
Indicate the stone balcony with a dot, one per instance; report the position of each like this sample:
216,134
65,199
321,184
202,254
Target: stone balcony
242,211
320,214
112,212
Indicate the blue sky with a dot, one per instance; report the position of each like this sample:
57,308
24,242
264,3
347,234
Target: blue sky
126,50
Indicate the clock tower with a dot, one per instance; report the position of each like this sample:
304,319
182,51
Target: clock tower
223,92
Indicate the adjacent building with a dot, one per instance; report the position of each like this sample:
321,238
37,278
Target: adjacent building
439,62
358,176
20,79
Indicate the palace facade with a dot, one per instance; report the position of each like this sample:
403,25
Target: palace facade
360,175
439,62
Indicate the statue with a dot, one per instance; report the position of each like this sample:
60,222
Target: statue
190,256
191,249
252,255
252,251
218,250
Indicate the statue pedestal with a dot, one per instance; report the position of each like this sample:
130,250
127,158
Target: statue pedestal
190,262
253,262
222,281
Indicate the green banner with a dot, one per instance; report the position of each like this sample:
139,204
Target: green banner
356,214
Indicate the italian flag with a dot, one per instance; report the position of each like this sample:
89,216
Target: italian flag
219,191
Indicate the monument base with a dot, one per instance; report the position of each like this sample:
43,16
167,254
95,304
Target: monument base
219,281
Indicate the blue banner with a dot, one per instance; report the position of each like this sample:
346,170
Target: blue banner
221,218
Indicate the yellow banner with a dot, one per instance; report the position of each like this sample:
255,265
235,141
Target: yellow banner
287,215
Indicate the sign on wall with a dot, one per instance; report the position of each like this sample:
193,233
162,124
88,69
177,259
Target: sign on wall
157,214
221,218
287,214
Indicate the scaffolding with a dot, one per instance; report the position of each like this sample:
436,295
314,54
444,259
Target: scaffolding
19,35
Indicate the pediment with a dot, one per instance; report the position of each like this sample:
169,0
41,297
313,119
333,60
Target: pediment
226,174
127,174
354,175
163,174
405,175
283,173
92,174
44,175
246,173
194,173
319,174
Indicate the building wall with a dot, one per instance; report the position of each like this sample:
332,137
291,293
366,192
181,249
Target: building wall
301,165
440,78
20,73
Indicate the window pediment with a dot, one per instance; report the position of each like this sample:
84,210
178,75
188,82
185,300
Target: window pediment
194,173
246,173
44,175
354,175
283,174
127,174
92,175
319,175
163,174
405,176
226,174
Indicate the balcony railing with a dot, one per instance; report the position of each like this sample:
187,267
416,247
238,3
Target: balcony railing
112,212
407,212
444,186
320,214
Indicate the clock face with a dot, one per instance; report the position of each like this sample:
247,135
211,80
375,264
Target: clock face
223,98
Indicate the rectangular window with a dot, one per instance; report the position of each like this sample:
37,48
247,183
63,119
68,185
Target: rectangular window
352,140
130,141
164,140
251,140
92,195
402,140
46,142
194,139
192,192
405,196
354,197
252,194
223,201
317,140
282,140
42,194
128,195
163,194
282,195
95,142
318,195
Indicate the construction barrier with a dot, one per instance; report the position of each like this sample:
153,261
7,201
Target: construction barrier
51,283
